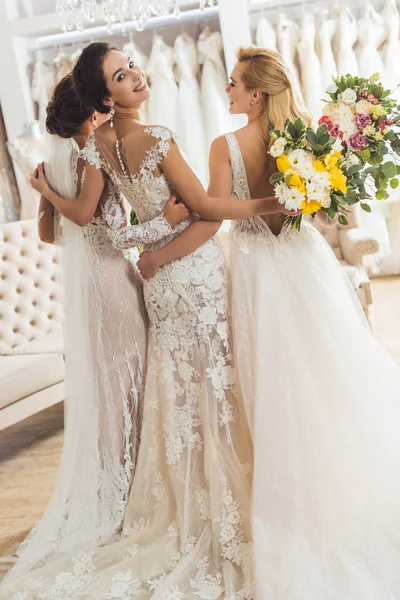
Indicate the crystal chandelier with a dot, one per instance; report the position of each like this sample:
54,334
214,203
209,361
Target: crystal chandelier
76,14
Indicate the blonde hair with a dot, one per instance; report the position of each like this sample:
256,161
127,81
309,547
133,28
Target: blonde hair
267,71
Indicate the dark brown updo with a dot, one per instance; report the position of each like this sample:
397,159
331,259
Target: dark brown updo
89,77
65,112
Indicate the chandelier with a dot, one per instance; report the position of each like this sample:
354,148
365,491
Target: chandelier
76,14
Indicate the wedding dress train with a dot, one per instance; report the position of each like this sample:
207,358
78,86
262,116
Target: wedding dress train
322,398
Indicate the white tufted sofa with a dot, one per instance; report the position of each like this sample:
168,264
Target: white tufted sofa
31,354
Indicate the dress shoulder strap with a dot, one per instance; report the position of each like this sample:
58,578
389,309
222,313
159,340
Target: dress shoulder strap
240,187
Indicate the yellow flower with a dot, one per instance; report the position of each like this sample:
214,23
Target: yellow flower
330,160
309,208
378,111
319,166
338,179
283,163
297,182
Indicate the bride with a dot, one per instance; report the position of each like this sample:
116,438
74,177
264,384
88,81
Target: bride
105,317
186,531
321,395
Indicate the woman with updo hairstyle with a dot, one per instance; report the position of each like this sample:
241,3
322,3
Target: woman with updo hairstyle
105,345
321,395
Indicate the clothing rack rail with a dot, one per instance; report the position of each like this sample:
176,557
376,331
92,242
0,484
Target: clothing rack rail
95,33
265,5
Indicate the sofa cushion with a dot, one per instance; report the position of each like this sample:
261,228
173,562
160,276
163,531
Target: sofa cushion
51,343
23,375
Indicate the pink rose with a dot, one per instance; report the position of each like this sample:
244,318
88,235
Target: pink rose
375,101
363,120
357,141
370,97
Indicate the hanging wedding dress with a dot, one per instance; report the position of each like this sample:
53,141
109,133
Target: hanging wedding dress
42,85
62,65
265,34
105,339
346,37
213,84
190,114
186,533
310,67
391,53
390,264
371,35
287,39
324,411
326,32
162,106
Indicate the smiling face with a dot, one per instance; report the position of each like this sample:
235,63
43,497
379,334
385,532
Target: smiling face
125,81
240,99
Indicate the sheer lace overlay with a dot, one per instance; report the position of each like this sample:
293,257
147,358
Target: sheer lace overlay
186,530
105,316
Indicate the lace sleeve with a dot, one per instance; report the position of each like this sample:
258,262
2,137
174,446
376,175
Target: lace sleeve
90,152
164,136
125,236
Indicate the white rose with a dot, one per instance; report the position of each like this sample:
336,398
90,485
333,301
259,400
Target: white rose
281,141
349,96
364,107
276,149
332,88
331,110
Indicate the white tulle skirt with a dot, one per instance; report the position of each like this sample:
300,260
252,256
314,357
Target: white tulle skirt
323,401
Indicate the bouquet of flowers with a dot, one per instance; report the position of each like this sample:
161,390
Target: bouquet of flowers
314,173
361,114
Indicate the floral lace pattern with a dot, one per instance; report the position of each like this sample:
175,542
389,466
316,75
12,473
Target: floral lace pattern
186,531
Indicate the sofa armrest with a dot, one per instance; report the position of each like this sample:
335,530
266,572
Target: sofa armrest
355,244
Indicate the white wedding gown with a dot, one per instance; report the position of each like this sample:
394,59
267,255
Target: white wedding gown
214,99
186,533
371,35
162,106
265,34
325,34
190,113
323,401
347,33
311,80
105,345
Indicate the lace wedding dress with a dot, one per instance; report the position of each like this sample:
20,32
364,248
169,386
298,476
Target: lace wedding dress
105,338
185,533
322,398
325,34
347,33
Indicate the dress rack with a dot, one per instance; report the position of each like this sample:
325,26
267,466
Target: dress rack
94,33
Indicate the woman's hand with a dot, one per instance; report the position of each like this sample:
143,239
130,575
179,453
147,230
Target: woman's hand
39,182
274,206
175,211
148,264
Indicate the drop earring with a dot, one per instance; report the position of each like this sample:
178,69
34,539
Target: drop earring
112,113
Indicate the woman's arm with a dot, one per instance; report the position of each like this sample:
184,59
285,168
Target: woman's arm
199,232
189,187
81,210
46,221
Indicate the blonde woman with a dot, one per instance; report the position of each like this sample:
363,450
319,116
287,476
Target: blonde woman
321,395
